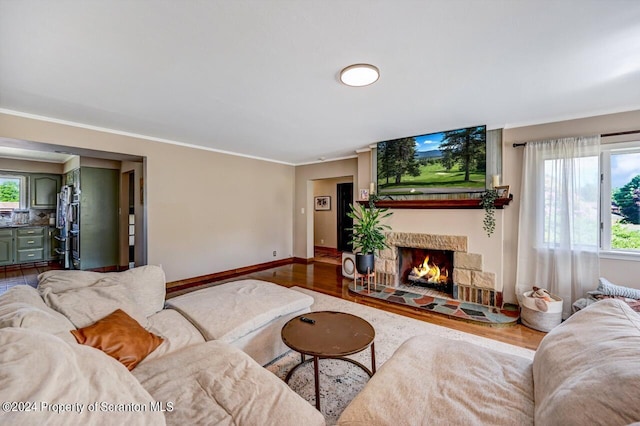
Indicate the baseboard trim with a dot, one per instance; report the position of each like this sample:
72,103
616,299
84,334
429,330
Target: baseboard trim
329,251
302,260
219,276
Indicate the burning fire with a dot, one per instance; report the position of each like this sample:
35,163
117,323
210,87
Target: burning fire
430,272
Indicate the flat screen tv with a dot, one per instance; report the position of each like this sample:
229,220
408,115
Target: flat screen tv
447,162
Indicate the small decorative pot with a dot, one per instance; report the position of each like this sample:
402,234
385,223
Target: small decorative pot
365,263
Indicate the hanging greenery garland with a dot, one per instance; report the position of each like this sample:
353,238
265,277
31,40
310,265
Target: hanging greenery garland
487,202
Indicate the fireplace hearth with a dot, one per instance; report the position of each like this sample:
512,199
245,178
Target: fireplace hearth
441,262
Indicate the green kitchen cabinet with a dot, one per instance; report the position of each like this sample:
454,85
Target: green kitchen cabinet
30,244
6,247
25,244
44,189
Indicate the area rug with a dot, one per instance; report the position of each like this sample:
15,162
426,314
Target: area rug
471,312
341,381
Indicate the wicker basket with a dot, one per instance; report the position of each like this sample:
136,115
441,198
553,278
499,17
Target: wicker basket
534,318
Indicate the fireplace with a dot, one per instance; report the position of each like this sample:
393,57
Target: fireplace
462,271
426,268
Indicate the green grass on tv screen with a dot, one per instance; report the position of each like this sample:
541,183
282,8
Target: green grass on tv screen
434,175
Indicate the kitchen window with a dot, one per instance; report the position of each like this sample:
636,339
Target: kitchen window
620,200
13,192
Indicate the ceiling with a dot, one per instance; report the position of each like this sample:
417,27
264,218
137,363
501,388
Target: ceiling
33,155
260,78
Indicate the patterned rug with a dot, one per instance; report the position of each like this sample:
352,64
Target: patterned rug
341,381
454,308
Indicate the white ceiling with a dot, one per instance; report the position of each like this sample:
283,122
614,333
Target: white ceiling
27,154
260,78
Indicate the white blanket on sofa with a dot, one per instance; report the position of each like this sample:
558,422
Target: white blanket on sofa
217,384
46,380
230,311
587,370
437,381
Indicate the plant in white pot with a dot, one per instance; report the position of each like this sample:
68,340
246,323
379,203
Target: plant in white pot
368,234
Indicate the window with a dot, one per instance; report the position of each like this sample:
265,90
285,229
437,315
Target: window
13,192
620,222
576,179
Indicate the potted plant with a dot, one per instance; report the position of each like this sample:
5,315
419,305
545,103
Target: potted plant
367,234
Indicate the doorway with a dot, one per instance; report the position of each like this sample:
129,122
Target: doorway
132,249
131,221
329,221
344,198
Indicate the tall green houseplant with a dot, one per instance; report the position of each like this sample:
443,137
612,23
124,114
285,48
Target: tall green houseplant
368,233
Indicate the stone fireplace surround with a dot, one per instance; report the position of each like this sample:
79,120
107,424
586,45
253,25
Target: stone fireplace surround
470,282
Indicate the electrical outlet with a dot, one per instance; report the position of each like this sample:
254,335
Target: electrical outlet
321,241
275,253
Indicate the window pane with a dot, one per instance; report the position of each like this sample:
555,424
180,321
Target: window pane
571,205
9,193
625,201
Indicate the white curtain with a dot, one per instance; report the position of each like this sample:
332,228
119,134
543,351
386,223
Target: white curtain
559,219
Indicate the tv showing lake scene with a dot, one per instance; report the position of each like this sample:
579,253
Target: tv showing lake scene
448,162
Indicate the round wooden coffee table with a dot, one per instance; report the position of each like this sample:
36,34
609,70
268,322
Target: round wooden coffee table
331,335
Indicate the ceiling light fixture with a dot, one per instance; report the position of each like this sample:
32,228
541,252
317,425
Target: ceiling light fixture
358,75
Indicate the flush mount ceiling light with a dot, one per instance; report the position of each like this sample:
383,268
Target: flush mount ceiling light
359,75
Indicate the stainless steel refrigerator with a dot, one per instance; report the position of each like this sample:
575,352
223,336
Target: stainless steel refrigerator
67,222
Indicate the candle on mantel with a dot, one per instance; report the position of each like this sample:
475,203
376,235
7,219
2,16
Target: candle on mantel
372,188
495,180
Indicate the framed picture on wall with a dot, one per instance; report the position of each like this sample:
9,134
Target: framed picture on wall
323,202
503,191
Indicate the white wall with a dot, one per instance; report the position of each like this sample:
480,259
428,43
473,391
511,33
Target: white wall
207,212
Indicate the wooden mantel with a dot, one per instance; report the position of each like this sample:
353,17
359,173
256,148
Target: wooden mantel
469,203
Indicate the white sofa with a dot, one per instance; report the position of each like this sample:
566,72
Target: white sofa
586,371
207,370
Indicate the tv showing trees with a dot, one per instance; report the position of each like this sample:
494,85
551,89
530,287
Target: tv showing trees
445,162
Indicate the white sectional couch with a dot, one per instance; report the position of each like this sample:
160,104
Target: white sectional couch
586,371
199,374
247,314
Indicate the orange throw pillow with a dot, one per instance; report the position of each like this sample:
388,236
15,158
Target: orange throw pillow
119,336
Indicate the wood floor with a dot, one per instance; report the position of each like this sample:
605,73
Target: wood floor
11,276
327,278
27,273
